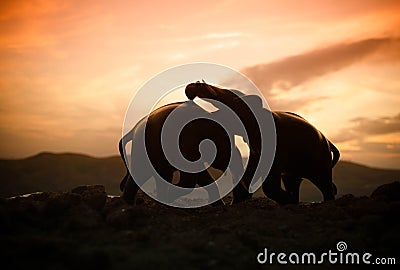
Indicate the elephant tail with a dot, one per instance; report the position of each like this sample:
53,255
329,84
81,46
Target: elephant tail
123,142
121,146
335,152
121,152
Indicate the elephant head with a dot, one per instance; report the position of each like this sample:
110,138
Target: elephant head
239,103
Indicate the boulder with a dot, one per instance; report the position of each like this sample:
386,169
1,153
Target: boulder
94,196
388,192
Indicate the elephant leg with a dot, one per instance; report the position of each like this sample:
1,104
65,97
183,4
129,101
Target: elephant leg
236,167
240,193
204,180
130,189
273,190
292,186
334,189
187,181
162,186
241,190
123,181
325,185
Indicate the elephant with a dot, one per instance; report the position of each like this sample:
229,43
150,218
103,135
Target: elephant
302,151
190,137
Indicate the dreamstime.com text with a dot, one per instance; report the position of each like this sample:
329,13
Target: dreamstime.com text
332,257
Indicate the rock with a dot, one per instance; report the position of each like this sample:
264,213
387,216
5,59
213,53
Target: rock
71,234
345,200
57,203
388,192
5,225
80,217
95,196
139,201
39,196
121,215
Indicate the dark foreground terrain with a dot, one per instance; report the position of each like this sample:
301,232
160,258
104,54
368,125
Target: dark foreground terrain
86,229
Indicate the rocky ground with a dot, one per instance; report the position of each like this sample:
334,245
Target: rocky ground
84,228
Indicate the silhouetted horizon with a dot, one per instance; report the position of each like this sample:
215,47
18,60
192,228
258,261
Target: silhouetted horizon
116,154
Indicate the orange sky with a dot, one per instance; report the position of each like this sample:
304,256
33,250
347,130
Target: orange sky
69,68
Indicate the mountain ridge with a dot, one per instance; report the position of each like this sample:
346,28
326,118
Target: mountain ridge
47,171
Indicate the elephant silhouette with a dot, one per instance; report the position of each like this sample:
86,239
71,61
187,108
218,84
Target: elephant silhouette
149,143
302,151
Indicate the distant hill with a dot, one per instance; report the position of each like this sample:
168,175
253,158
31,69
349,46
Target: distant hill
352,178
61,172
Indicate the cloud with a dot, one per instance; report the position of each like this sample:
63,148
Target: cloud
295,70
206,37
362,127
222,35
375,142
371,139
279,78
381,125
294,104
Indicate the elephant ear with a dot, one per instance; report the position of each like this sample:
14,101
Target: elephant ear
210,91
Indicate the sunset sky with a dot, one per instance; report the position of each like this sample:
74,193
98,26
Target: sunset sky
68,69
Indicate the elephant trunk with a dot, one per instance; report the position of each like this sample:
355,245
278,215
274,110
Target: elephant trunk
249,121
